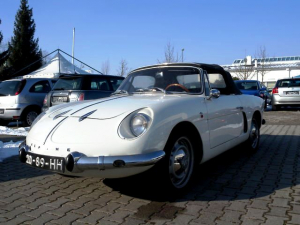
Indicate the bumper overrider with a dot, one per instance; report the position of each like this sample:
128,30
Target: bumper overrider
77,162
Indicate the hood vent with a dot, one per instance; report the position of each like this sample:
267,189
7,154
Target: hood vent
86,115
58,115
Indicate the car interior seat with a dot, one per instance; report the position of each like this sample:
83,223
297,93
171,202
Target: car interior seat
104,87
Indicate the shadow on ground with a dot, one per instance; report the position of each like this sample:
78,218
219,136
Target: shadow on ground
233,175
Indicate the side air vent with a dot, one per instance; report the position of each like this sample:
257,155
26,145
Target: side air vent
245,122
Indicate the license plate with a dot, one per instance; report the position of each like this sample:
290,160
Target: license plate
59,99
46,162
1,111
292,92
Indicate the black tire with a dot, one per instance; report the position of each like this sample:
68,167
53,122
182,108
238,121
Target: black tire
29,116
4,122
178,165
266,103
252,143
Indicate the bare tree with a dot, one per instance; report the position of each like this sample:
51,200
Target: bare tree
244,71
105,67
262,65
169,54
123,68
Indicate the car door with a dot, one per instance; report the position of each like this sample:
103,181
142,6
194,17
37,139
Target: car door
37,92
225,118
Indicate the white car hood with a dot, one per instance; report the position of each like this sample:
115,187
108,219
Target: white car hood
58,119
111,107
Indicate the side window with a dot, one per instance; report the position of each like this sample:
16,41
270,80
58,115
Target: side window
207,86
99,84
216,81
40,87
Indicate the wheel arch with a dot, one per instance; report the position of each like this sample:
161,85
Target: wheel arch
29,107
190,129
257,115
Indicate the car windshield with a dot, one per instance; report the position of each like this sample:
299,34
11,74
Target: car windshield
9,88
247,85
68,83
163,79
289,83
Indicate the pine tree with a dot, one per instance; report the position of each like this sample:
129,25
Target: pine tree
23,48
3,57
4,54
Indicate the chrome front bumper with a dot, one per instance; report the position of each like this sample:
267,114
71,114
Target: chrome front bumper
77,162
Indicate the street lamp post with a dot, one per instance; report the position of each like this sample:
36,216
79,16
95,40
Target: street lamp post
182,54
255,66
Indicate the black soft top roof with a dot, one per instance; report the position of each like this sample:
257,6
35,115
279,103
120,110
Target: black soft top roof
231,88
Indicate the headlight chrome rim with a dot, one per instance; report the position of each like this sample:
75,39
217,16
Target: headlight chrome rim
142,126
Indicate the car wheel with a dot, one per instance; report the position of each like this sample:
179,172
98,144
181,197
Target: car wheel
29,117
252,143
4,123
179,162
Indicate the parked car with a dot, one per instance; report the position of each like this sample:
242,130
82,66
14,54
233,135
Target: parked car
286,93
72,88
253,87
171,116
22,99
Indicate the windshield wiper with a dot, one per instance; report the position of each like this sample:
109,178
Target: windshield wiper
120,92
57,89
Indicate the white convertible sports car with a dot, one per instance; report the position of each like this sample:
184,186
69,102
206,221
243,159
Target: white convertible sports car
173,116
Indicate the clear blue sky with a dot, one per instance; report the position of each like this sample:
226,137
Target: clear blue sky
210,31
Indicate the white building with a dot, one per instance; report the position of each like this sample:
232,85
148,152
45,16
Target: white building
274,68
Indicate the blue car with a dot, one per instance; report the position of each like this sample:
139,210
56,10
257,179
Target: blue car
253,87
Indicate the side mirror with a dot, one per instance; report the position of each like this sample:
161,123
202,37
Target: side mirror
214,93
263,89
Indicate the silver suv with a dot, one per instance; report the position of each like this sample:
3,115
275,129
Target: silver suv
22,99
286,93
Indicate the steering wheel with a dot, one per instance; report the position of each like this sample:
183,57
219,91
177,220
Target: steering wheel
177,85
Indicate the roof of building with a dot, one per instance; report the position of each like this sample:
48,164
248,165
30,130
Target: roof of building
270,59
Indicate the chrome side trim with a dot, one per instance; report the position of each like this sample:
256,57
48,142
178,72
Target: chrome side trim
109,162
12,108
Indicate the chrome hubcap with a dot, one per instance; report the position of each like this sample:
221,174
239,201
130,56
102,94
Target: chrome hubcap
181,162
254,134
31,117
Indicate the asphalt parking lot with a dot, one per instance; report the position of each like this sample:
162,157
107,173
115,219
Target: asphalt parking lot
234,188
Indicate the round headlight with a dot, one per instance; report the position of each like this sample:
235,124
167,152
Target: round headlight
139,124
